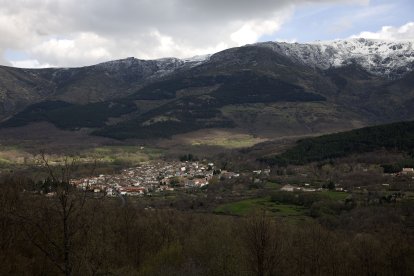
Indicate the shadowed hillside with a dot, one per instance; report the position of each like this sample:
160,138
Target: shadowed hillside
398,136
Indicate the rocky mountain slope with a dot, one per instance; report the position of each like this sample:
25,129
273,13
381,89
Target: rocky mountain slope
383,58
265,89
110,80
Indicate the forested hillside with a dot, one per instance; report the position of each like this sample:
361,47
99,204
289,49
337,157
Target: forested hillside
397,136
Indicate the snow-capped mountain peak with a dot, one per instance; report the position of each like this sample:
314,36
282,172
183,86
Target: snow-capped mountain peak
391,59
379,57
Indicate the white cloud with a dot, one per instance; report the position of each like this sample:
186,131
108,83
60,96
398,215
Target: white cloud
29,63
85,47
251,31
404,32
75,33
168,47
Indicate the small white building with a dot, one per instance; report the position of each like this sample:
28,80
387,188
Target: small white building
288,188
408,170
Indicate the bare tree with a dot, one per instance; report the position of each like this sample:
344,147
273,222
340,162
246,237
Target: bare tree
51,225
263,242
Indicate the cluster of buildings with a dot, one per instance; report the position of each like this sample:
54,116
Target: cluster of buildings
153,176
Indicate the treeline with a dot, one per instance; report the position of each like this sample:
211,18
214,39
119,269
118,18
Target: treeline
397,136
163,129
193,112
179,116
398,166
71,233
71,116
239,87
250,87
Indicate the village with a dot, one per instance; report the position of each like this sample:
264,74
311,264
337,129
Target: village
165,176
154,176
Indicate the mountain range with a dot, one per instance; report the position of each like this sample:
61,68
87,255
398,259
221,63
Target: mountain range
267,89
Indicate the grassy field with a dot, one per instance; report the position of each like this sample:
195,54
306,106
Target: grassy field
131,155
272,186
245,207
236,141
14,157
335,195
228,139
290,211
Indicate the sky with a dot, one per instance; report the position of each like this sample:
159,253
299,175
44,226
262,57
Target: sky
71,33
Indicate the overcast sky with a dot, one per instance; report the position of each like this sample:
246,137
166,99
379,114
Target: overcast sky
66,33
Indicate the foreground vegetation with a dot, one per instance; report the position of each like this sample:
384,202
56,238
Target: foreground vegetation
76,233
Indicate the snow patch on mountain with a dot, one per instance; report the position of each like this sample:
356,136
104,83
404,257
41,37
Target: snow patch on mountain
385,58
197,59
152,68
379,57
390,59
